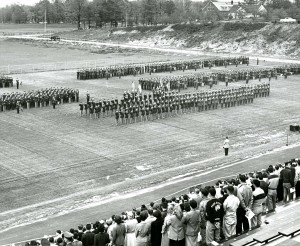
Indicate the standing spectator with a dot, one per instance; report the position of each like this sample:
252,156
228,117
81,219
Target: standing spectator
202,208
176,229
68,238
293,172
118,232
156,228
80,232
130,225
286,177
192,221
297,180
259,198
164,212
76,242
142,230
272,190
109,229
264,187
246,204
230,206
165,229
278,169
197,197
226,146
57,235
101,238
88,236
214,211
51,240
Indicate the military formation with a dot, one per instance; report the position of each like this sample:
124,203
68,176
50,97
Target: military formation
6,81
158,67
135,107
211,78
40,98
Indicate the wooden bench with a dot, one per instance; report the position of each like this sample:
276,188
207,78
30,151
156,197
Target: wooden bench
288,242
266,237
290,231
242,242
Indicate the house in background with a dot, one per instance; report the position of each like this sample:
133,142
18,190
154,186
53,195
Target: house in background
217,10
232,9
242,11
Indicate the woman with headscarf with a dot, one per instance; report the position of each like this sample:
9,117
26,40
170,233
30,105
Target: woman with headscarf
130,225
156,227
176,229
142,230
165,241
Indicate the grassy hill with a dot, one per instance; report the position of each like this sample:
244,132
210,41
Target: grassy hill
234,37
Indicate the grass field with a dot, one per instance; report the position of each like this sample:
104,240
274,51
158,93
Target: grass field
34,28
53,162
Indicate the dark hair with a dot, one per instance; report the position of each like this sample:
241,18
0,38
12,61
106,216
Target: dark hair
72,230
230,189
144,215
270,169
80,227
51,239
212,191
150,211
277,167
260,176
58,231
59,240
101,228
75,235
118,219
88,226
204,192
151,204
242,177
193,204
157,214
256,182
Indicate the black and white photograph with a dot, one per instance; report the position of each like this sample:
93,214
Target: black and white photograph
149,122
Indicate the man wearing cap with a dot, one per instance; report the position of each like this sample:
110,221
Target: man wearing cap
68,238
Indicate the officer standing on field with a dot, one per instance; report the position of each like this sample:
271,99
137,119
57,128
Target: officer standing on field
226,146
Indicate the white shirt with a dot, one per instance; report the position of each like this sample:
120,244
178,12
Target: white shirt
226,143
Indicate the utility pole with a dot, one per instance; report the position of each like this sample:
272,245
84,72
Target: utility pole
45,19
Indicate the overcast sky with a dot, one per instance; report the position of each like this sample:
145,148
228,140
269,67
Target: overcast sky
3,3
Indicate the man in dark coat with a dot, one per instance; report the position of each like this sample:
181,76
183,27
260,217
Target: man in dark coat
88,236
102,238
156,228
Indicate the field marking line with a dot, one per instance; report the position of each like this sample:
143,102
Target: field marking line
151,189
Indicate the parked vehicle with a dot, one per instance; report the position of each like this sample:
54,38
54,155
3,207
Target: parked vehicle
288,20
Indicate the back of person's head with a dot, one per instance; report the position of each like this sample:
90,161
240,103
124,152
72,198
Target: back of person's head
72,230
80,227
204,192
143,207
197,191
173,199
193,204
242,178
51,239
75,235
260,176
144,215
151,204
230,189
101,228
58,232
88,226
256,182
287,164
59,240
270,169
212,191
163,200
164,205
185,197
118,219
157,214
265,175
150,211
277,167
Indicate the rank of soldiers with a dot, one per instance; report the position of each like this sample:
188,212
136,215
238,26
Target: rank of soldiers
134,107
6,81
40,98
157,67
210,78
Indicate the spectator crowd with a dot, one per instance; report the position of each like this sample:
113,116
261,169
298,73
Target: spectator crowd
205,215
5,81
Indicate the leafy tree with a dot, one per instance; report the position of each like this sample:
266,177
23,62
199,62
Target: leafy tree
75,9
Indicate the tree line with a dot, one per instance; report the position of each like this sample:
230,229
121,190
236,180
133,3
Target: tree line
98,13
